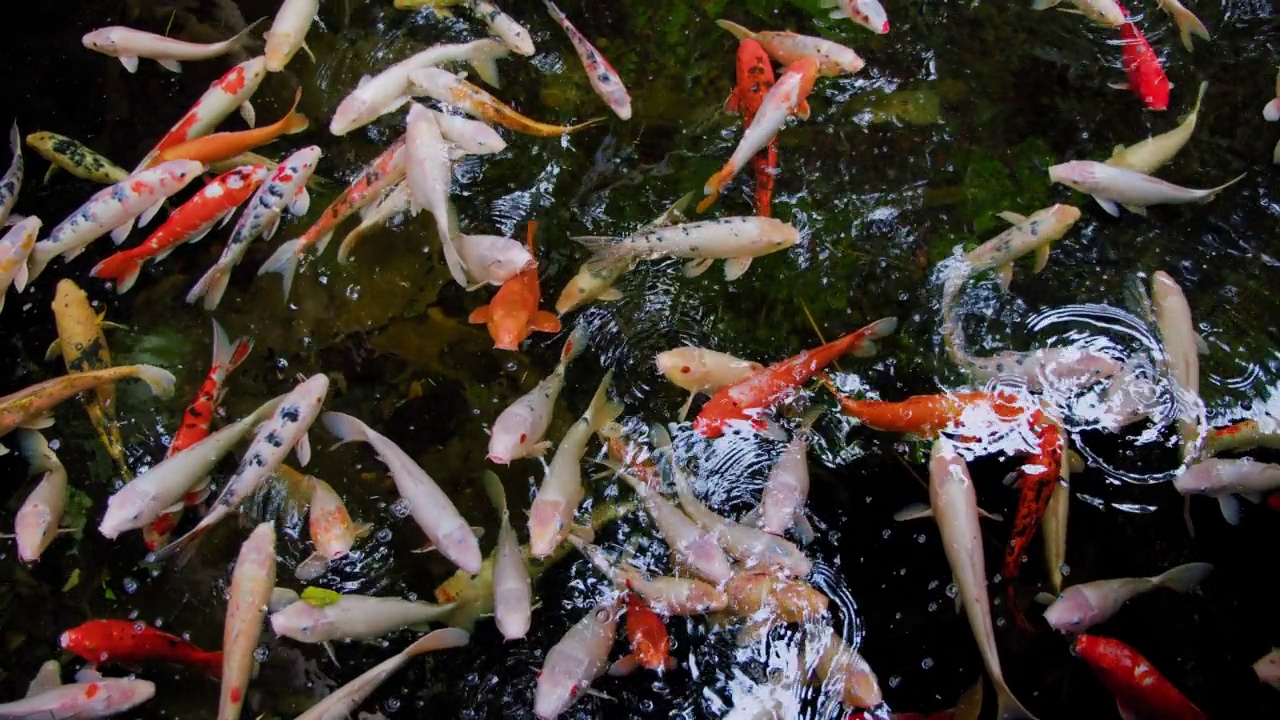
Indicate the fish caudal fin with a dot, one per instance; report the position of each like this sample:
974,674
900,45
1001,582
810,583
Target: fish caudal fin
716,184
1188,24
1213,192
120,269
284,261
863,342
602,411
210,663
1007,706
1184,578
441,639
212,286
345,427
485,63
182,549
41,255
160,381
497,494
573,347
738,31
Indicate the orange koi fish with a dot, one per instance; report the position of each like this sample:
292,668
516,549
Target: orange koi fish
650,644
1141,692
215,203
513,315
755,79
746,399
226,145
132,643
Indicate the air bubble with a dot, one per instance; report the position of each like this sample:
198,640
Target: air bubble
130,585
260,653
383,536
895,681
927,663
953,590
400,508
392,704
1065,569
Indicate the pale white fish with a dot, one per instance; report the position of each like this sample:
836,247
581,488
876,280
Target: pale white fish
113,210
692,545
504,27
702,371
389,90
867,13
281,598
1182,346
1054,523
1080,607
15,248
288,32
285,189
493,259
1131,395
98,698
395,202
561,491
1116,187
1223,479
36,523
840,667
1154,152
512,588
1055,369
664,595
353,617
284,431
1028,234
736,240
470,136
1270,111
343,702
1268,668
604,79
430,507
430,177
1106,13
580,657
11,183
954,505
1188,23
752,547
252,581
787,47
786,490
128,45
521,429
331,529
161,488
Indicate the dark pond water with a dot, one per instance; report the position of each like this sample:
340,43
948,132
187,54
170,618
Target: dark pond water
960,111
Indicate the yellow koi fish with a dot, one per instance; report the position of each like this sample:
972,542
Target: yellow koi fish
30,406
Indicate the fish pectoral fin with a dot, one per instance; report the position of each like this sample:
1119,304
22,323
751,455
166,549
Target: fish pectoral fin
990,515
1072,11
248,114
1202,347
610,295
149,213
544,321
540,449
117,236
480,315
1042,258
271,227
802,110
1044,4
918,511
303,449
53,169
170,65
307,50
731,103
429,547
684,409
1136,209
1118,85
625,665
300,204
1012,218
1112,209
597,693
328,647
130,63
735,267
803,528
583,532
1230,509
1004,274
111,325
694,268
39,422
1045,598
55,349
1125,712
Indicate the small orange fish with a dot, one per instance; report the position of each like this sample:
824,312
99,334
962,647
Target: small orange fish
513,315
226,145
650,644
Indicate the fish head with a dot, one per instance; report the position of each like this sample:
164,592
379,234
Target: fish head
846,61
85,641
546,521
68,292
1072,612
784,235
1268,668
556,691
301,164
500,258
301,621
459,545
348,114
280,48
684,367
1063,215
31,528
578,291
103,40
1199,479
509,438
1079,175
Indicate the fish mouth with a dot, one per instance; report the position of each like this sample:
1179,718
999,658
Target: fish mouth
498,459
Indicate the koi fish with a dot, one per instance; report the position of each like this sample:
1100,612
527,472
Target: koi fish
572,664
1080,607
30,406
288,33
786,490
787,97
692,546
224,95
1114,186
512,588
393,202
113,210
352,617
75,158
128,45
97,697
1267,668
286,189
430,179
736,240
661,594
755,79
384,172
702,371
343,702
924,416
764,600
650,644
1054,524
1182,348
1146,76
513,34
1028,234
36,522
842,668
132,643
1244,435
1106,13
604,79
867,13
833,58
561,491
430,507
251,582
389,90
332,530
1224,479
214,204
12,180
1151,154
1188,23
443,86
1038,477
1270,111
493,259
84,347
224,145
765,388
1141,692
520,430
513,315
15,248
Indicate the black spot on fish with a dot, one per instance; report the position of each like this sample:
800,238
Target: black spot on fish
291,413
273,439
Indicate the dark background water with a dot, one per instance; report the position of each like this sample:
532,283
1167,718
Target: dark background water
957,116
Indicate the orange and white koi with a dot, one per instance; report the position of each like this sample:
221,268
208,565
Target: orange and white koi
841,668
332,530
764,600
443,86
604,79
1244,435
787,47
385,171
226,145
288,33
787,97
867,13
15,248
129,45
580,657
214,204
36,523
513,315
1140,690
11,183
251,582
754,81
113,210
692,546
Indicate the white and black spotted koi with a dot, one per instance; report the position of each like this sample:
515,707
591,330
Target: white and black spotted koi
12,181
604,79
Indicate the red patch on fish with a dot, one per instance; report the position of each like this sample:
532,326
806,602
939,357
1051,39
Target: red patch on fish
650,643
235,695
233,82
755,78
91,691
132,643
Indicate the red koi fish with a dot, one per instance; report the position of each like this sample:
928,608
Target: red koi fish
746,399
650,644
1146,77
196,421
1141,692
513,315
215,204
133,643
1038,477
755,79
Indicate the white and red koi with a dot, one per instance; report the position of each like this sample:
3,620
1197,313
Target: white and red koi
15,248
833,58
580,657
11,183
251,582
129,45
1223,479
36,524
96,697
520,430
604,79
869,14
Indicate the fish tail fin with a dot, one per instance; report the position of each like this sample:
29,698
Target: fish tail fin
183,549
602,411
212,286
448,231
863,342
1044,4
120,268
604,251
1184,578
345,427
160,381
211,664
497,494
1271,111
41,255
227,356
716,184
284,261
1214,192
1188,25
1007,706
244,35
295,122
441,639
583,126
737,30
485,63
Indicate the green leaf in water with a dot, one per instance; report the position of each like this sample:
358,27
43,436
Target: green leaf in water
319,597
72,581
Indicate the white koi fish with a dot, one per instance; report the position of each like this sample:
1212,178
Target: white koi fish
580,657
1223,479
833,58
1182,346
394,202
664,595
1068,367
702,371
1188,23
353,617
1115,187
869,14
604,79
251,582
430,177
493,259
786,490
520,430
288,33
1152,154
331,528
11,183
15,248
1080,607
693,546
1054,523
286,189
1270,112
128,45
114,210
841,668
343,702
504,27
512,588
97,697
1268,668
430,507
162,488
284,431
736,240
36,524
1106,13
1028,234
561,491
470,136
